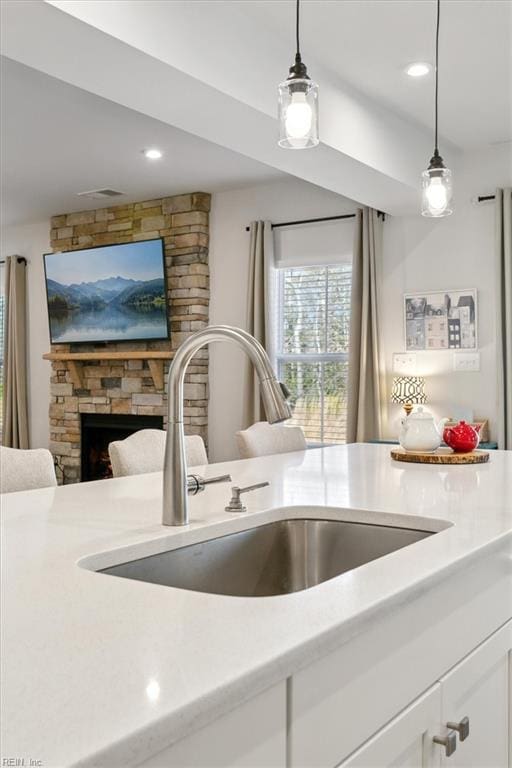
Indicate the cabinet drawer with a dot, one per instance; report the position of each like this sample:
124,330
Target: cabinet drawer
405,741
340,701
478,689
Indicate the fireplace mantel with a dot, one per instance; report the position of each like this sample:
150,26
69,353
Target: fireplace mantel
155,360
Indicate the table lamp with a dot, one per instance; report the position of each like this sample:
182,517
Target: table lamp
408,391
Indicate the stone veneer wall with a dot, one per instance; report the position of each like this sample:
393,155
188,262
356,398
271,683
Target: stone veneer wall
113,386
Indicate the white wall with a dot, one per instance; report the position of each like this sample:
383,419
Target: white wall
229,256
31,241
231,213
455,252
419,254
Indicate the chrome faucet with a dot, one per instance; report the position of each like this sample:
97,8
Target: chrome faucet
273,395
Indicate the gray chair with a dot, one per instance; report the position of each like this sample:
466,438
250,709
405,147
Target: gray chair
25,470
144,452
264,439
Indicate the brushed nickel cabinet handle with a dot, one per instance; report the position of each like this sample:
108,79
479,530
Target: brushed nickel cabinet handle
449,742
462,727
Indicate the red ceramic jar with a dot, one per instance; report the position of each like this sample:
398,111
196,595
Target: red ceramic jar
463,438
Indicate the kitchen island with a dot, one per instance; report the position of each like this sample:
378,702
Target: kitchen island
104,671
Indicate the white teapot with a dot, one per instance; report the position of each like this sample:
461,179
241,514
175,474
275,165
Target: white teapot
420,433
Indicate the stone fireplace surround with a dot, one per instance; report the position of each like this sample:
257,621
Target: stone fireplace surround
127,386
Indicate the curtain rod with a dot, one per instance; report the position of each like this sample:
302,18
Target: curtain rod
20,259
309,221
315,221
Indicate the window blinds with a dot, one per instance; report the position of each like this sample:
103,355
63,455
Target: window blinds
328,242
314,324
315,310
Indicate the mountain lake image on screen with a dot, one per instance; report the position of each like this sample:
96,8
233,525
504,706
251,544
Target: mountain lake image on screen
108,293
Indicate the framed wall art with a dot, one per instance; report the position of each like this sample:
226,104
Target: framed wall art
441,320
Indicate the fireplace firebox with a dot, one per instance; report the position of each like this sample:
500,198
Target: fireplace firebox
98,430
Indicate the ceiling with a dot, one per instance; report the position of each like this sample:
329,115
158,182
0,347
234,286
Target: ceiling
198,79
368,43
58,140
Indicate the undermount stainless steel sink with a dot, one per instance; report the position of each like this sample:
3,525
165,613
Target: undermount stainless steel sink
272,559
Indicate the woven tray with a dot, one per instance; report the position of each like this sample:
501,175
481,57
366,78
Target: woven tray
441,456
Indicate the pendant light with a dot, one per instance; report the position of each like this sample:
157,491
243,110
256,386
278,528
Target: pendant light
437,179
298,104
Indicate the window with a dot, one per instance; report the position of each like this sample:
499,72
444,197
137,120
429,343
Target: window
312,347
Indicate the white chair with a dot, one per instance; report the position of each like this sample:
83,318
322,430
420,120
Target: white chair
264,439
144,452
24,470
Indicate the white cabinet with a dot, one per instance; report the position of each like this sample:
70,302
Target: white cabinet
478,688
325,724
475,692
346,697
407,741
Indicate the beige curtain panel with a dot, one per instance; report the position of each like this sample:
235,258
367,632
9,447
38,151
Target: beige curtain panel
15,415
366,369
504,315
259,308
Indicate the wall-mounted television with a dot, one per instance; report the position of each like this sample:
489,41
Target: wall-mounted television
107,293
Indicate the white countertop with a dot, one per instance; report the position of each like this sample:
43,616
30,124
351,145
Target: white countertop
107,671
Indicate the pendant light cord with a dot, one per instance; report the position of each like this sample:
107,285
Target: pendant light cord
297,21
437,75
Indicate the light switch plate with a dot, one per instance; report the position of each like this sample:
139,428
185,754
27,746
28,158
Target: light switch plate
404,363
469,362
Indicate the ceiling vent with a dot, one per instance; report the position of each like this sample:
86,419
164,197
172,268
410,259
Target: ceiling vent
100,194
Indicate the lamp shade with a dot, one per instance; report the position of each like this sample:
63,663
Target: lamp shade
408,390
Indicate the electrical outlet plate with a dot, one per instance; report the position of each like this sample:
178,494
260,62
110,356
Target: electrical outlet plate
467,362
404,363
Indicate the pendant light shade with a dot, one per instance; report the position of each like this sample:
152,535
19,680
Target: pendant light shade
437,188
298,114
298,104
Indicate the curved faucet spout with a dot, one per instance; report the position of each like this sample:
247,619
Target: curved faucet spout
175,502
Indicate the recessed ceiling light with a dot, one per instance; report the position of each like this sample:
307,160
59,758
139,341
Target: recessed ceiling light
418,69
152,154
